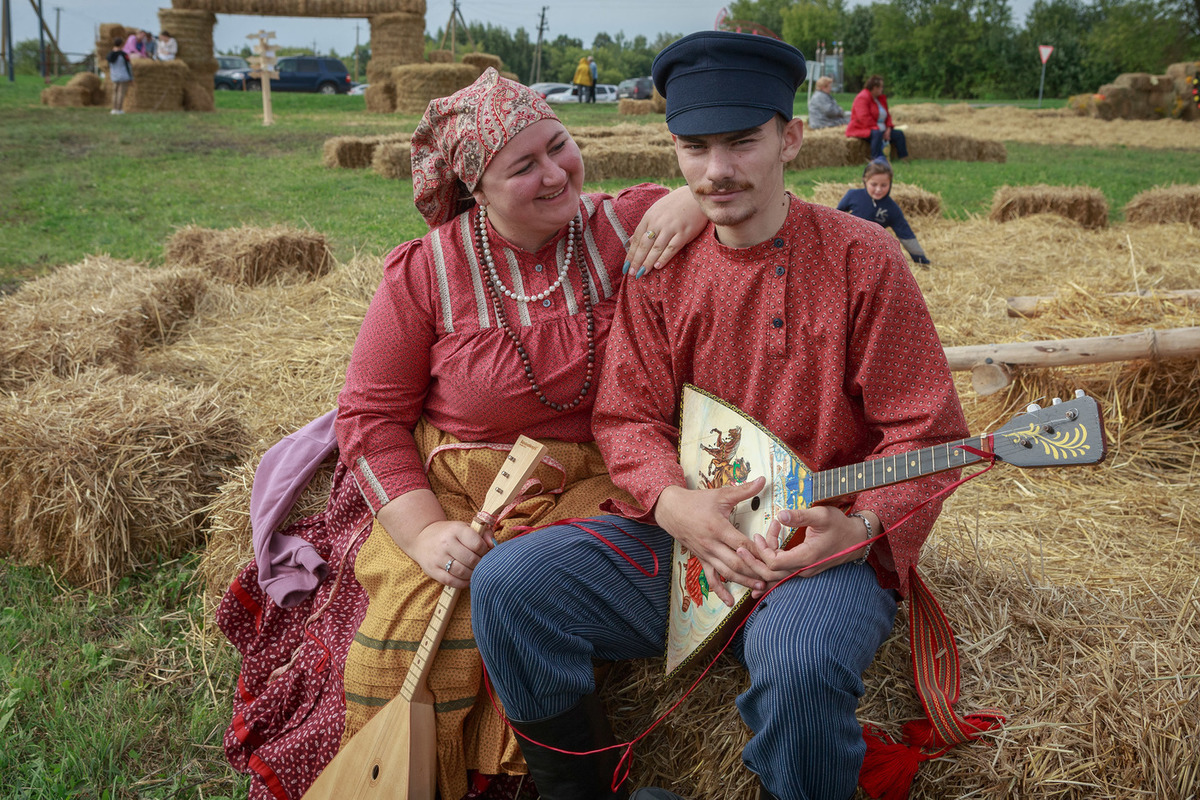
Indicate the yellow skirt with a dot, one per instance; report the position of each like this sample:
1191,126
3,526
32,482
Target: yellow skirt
470,734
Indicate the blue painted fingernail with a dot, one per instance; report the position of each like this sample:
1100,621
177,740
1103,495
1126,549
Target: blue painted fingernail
640,273
625,269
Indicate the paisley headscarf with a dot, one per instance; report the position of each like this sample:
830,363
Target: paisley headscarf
458,136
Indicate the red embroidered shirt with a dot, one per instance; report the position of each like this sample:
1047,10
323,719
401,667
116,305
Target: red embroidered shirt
431,345
820,333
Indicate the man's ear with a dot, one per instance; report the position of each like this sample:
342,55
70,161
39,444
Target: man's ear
793,137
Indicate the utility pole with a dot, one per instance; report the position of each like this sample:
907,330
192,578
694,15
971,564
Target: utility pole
535,75
58,53
41,41
356,53
8,45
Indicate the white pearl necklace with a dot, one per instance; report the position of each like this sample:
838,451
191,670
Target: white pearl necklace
491,264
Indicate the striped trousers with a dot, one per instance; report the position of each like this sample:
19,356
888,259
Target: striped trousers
546,604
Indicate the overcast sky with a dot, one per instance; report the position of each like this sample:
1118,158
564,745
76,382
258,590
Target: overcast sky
78,20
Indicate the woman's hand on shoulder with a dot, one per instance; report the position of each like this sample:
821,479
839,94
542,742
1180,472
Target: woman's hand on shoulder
666,228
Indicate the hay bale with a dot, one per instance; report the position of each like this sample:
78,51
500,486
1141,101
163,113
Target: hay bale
393,160
98,312
825,148
250,255
381,98
85,80
157,85
913,200
1165,204
305,8
66,96
481,61
1082,204
356,152
941,146
604,160
918,113
193,30
199,96
112,479
109,31
629,107
440,57
417,84
396,39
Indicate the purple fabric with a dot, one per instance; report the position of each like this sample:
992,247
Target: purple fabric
289,568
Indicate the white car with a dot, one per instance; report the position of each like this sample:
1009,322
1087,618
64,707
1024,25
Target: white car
358,88
605,93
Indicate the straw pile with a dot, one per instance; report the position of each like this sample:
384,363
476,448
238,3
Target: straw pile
157,85
393,160
655,104
603,160
481,61
913,200
1165,204
440,57
1083,204
417,84
933,146
1133,95
1183,77
396,39
193,30
356,152
98,312
102,473
304,8
250,255
68,96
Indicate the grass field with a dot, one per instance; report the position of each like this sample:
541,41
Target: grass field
116,696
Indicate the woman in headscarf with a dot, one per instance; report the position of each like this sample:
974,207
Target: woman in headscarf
491,326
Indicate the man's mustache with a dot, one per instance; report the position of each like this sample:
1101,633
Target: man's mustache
724,186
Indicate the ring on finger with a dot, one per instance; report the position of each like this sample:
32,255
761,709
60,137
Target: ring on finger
651,234
449,564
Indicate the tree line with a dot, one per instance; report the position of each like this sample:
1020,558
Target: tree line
966,49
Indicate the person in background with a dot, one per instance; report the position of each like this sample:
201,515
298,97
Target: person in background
135,44
873,202
871,120
594,71
120,72
168,48
823,110
582,79
149,45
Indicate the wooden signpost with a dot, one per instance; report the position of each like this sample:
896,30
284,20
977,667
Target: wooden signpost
263,62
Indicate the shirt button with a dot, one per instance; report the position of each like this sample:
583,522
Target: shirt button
780,270
546,302
538,268
777,323
778,242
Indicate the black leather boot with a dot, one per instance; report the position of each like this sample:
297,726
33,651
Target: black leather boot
569,777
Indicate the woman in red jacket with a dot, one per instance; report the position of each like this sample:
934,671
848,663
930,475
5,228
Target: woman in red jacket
870,119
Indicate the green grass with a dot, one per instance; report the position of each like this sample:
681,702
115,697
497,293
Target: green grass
109,696
105,696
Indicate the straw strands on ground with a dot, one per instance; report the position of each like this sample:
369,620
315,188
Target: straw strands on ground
1165,204
1083,204
250,255
913,200
98,312
101,473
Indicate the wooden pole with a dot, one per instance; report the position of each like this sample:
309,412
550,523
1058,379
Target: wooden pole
1028,306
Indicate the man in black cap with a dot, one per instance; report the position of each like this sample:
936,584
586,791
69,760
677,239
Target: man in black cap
808,320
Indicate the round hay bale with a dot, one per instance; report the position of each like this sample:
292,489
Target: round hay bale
481,61
157,85
381,97
99,312
393,160
114,477
1081,204
417,84
440,57
249,255
1165,204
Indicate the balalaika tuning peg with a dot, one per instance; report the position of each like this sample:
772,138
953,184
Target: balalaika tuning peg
1056,401
1032,407
1080,393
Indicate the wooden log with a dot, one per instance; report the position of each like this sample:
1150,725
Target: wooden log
1028,306
1170,343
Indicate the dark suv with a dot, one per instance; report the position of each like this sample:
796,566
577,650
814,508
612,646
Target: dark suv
232,73
311,74
635,88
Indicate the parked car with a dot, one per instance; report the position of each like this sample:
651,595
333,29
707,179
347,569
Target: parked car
635,88
231,73
309,74
605,93
358,88
546,88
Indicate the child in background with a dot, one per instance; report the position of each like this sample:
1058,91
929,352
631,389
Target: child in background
873,203
121,74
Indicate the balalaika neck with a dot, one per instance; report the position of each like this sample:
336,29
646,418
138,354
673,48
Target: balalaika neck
832,483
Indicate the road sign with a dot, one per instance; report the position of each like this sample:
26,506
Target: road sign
1045,50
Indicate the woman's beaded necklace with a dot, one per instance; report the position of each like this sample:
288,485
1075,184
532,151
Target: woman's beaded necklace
481,226
496,288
